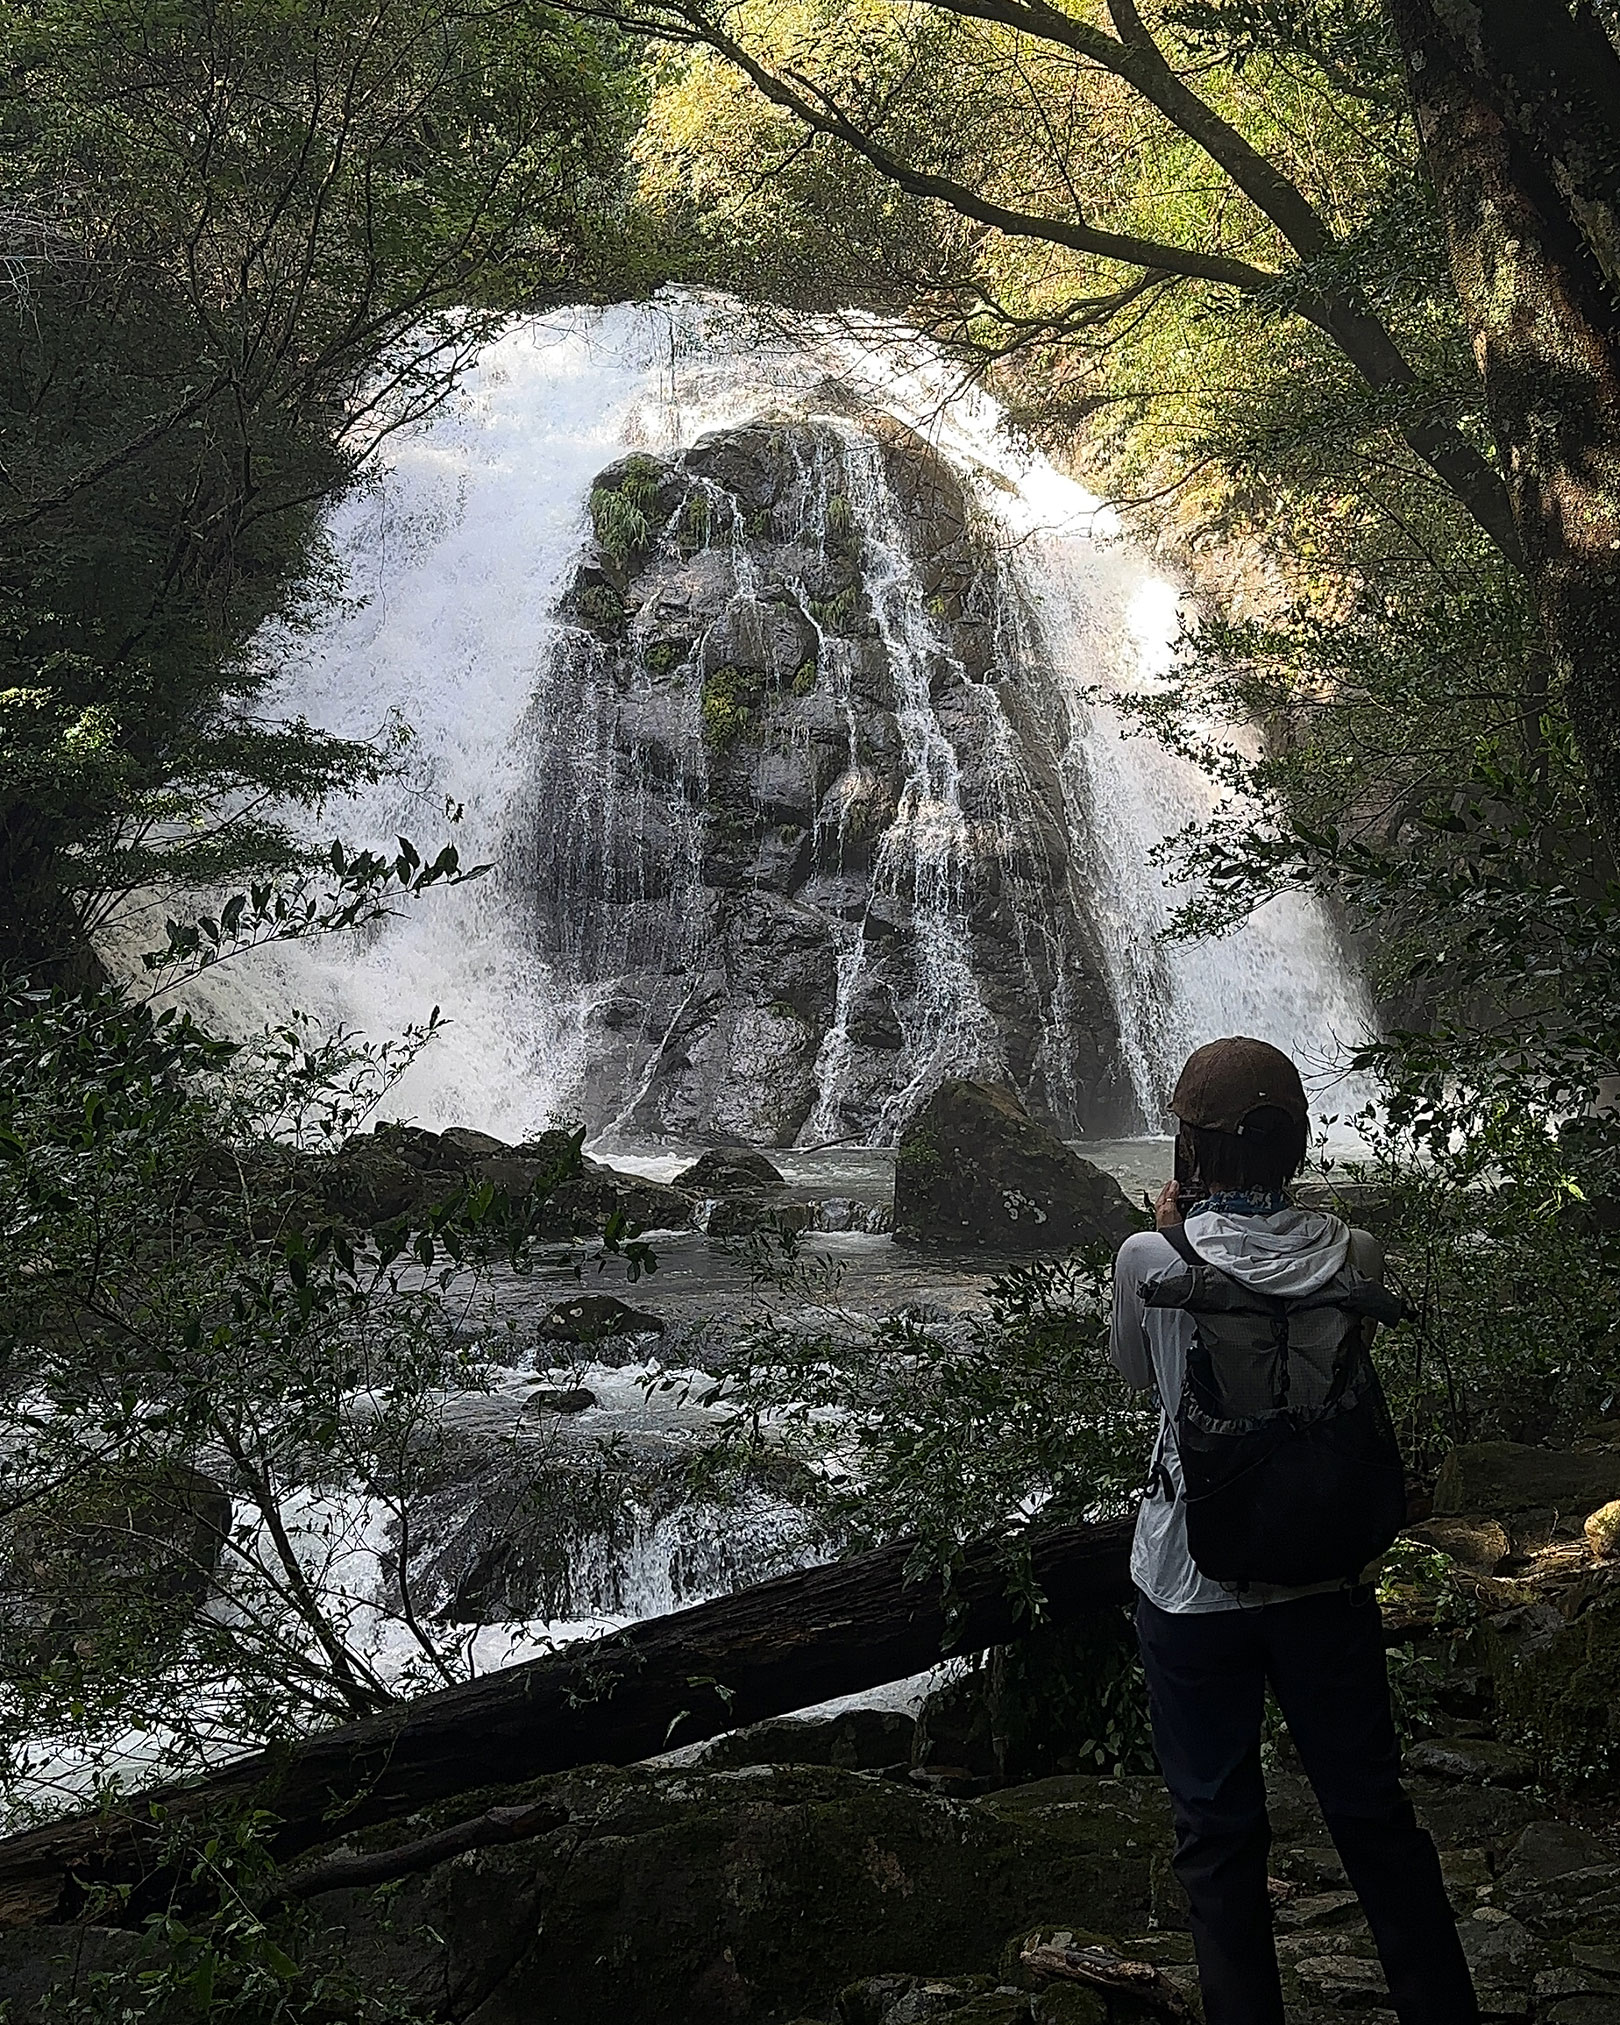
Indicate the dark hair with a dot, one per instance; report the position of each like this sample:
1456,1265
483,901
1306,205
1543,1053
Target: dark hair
1266,1152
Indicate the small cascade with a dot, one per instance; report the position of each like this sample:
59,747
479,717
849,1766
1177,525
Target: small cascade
922,863
779,688
668,1561
923,857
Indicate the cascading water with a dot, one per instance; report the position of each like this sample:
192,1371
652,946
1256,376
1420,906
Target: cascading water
931,823
924,852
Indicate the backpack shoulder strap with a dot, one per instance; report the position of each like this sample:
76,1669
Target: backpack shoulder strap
1176,1237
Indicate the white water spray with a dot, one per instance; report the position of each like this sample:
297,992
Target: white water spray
454,561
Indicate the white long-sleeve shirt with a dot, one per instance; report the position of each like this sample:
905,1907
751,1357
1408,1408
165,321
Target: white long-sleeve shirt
1287,1254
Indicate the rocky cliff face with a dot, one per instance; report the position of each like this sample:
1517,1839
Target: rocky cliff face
795,834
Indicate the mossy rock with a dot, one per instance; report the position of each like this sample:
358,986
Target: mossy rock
973,1168
751,1894
731,704
663,657
1498,1479
1558,1682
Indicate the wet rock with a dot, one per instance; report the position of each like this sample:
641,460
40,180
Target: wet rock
551,1399
1479,1759
730,1170
859,1740
588,1319
702,843
844,1213
559,1520
973,1168
735,1216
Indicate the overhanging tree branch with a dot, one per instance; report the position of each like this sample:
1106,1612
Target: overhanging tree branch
808,102
1340,312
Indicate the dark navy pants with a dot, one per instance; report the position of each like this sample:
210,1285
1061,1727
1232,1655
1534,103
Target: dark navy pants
1324,1658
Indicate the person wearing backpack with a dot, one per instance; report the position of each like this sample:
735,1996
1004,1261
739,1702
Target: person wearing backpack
1276,1479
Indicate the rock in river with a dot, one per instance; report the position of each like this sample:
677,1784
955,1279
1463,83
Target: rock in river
974,1168
730,1170
592,1318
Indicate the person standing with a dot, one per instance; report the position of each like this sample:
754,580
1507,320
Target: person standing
1275,1459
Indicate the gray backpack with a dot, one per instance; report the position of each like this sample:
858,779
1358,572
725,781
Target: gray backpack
1293,1474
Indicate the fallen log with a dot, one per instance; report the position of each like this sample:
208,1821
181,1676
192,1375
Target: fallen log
349,1868
765,1651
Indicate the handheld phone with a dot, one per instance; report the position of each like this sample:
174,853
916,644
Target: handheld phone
1189,1189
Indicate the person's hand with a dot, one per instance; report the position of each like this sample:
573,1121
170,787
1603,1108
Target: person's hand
1167,1208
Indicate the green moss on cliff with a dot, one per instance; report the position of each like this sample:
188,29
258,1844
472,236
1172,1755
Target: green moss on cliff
732,698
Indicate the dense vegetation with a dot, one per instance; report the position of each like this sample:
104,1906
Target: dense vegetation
242,243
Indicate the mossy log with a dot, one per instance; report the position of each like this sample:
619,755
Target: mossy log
782,1645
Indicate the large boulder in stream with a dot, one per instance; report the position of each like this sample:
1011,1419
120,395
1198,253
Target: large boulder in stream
973,1168
730,1170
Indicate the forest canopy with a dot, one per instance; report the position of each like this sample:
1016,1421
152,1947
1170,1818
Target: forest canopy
242,242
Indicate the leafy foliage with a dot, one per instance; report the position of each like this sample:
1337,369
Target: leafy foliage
243,243
951,1431
222,1374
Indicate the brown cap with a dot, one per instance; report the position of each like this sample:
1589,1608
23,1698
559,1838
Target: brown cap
1224,1081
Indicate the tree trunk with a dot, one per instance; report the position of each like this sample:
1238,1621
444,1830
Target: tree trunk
783,1645
1518,110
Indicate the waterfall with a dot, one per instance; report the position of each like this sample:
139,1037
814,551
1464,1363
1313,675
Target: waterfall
586,976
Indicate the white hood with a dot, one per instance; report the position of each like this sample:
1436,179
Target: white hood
1289,1253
